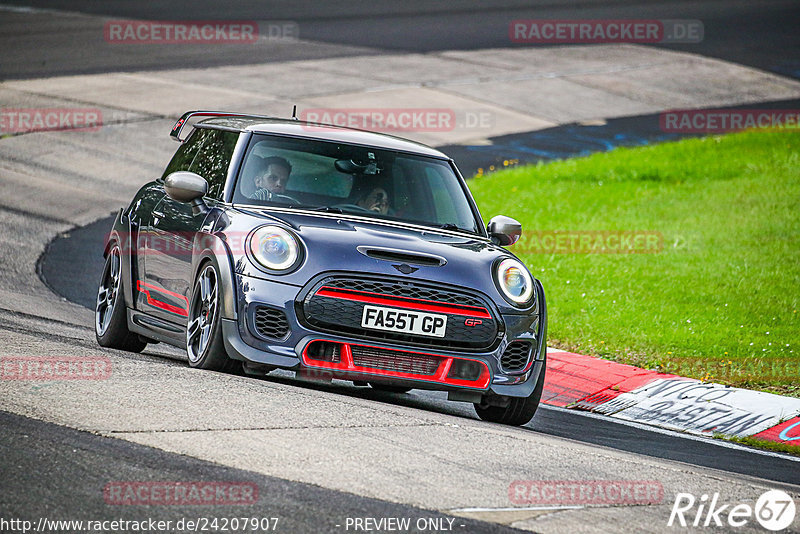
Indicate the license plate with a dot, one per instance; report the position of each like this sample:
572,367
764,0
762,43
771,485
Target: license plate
404,321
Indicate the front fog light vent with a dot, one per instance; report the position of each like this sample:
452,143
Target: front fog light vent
464,370
324,351
271,323
516,356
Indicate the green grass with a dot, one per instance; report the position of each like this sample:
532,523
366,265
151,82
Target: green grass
794,450
720,301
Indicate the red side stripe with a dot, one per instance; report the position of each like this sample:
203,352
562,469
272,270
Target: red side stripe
182,311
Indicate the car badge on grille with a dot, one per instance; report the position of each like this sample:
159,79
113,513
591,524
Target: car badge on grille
405,268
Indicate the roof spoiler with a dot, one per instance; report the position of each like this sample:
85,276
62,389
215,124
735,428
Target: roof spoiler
177,130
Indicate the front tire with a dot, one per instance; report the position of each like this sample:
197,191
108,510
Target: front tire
520,410
204,345
110,321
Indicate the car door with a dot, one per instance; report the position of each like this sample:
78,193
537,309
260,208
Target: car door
166,286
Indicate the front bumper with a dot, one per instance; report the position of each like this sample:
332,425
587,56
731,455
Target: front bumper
419,367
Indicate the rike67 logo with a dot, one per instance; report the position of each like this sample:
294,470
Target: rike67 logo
774,510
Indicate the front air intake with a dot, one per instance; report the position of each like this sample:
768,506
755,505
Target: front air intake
516,356
270,323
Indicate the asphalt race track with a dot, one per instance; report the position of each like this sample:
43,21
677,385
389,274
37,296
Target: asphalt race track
79,463
758,34
319,454
76,282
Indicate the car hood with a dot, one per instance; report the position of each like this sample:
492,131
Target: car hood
342,243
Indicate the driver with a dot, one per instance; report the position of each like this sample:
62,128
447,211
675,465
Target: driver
271,178
377,200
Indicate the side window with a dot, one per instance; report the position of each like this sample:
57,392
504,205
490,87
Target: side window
213,159
185,154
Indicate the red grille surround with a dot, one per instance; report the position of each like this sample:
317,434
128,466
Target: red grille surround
394,363
470,323
403,302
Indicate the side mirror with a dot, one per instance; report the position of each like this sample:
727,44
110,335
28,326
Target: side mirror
184,186
504,230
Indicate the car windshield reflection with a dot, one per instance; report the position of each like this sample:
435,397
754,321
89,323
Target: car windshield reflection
347,179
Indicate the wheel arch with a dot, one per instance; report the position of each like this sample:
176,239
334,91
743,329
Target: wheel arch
541,348
215,250
123,235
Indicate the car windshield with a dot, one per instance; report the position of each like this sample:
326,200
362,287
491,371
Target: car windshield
334,177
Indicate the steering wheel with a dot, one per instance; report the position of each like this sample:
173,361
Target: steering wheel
277,197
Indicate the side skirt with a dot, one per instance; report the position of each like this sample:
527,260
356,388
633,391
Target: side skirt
157,329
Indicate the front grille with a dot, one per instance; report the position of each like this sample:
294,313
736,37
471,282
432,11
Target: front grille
393,360
340,309
270,322
405,289
515,358
344,360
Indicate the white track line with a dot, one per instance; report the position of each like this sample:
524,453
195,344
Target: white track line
640,426
525,509
38,10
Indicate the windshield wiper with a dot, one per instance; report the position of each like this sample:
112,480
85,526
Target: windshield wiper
338,210
451,226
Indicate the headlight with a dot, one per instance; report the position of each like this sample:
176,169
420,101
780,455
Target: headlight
514,281
275,248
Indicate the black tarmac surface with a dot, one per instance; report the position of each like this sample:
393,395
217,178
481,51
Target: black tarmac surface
760,34
80,465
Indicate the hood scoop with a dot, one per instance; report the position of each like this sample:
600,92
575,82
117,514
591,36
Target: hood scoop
402,256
